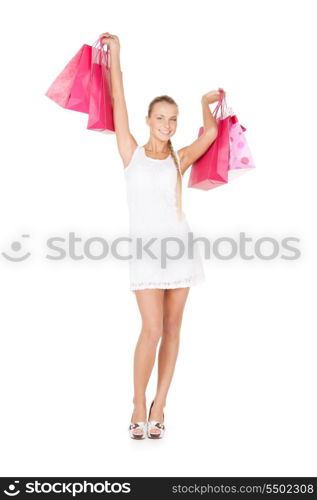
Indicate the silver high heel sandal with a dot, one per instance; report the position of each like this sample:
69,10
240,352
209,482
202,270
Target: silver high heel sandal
155,424
137,425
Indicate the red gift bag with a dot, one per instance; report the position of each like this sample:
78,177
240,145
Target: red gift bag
211,169
71,88
100,100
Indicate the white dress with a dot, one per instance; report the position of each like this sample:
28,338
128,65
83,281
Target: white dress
163,262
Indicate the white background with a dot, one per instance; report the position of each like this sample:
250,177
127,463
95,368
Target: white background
243,398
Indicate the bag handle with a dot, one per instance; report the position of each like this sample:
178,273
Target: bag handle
100,51
99,56
222,103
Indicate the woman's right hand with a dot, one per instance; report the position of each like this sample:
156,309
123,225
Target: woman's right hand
112,41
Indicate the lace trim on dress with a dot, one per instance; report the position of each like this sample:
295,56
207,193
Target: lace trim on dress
167,284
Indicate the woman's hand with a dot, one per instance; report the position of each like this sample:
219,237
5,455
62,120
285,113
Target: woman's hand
213,96
112,41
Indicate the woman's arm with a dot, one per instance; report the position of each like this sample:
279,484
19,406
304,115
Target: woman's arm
125,140
189,154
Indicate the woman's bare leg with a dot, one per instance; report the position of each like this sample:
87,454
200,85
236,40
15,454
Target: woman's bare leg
150,302
174,303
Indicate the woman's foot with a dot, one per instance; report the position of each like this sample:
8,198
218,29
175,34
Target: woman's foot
156,425
137,426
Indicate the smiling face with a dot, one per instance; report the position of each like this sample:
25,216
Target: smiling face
163,120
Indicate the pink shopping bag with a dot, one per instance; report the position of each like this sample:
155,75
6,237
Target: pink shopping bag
71,88
100,100
240,158
211,169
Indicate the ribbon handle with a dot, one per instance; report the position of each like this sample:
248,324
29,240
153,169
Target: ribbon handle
222,104
101,52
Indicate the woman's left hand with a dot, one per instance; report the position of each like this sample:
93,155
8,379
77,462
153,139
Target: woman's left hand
112,41
213,96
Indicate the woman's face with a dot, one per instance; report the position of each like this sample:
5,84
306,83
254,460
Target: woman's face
163,120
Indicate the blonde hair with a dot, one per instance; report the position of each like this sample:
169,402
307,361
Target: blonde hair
166,98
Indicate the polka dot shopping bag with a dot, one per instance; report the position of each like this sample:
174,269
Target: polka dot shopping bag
240,158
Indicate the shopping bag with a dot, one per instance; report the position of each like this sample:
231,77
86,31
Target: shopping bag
211,169
71,88
100,115
240,158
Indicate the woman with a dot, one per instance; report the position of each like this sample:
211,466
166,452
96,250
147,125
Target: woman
153,174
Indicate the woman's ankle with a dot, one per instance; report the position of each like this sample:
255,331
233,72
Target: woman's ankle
137,403
139,413
159,404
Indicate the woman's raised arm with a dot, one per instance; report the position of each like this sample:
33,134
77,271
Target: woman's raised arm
189,154
125,140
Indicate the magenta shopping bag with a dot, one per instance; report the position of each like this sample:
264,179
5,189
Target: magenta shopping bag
71,88
100,99
211,169
240,158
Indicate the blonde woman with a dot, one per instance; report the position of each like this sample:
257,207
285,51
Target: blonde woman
161,278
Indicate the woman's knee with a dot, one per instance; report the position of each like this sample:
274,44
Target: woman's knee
152,332
171,328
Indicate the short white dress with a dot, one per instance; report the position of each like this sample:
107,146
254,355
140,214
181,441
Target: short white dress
158,240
